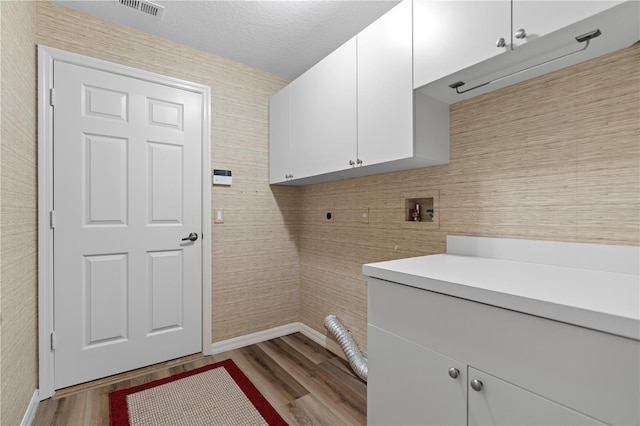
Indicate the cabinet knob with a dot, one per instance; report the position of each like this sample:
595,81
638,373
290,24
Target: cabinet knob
352,163
454,373
359,161
520,34
476,385
501,42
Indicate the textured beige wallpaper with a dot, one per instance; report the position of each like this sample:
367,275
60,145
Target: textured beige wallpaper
557,158
254,254
18,223
554,158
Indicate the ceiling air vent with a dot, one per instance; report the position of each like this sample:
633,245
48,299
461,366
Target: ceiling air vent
144,6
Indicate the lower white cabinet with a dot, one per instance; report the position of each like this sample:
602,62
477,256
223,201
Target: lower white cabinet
410,385
435,359
495,402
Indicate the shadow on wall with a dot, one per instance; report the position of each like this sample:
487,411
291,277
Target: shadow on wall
287,199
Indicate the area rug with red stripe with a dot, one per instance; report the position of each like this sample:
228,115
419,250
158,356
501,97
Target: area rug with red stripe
217,394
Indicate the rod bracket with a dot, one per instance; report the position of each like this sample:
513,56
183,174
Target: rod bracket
456,84
588,36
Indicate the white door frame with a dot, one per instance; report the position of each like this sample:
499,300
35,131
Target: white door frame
46,56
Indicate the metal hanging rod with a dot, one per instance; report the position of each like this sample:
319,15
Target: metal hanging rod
580,39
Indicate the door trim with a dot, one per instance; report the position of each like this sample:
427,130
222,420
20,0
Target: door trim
46,57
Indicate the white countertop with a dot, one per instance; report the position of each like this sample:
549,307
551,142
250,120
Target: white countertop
600,300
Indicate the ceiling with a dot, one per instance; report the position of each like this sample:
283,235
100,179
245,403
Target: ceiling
282,37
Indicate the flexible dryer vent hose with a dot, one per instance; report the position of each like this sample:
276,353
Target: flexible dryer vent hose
356,358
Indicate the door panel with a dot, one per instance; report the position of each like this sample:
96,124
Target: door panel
105,172
165,291
105,103
127,189
165,114
106,298
165,183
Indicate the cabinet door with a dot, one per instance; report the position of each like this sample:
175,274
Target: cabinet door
323,114
385,90
539,18
452,35
501,403
280,136
410,385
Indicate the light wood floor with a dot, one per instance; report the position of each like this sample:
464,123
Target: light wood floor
307,384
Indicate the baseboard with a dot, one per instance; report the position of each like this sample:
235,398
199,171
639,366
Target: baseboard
313,334
30,414
272,333
253,338
323,340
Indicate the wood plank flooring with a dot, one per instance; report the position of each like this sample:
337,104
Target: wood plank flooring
304,382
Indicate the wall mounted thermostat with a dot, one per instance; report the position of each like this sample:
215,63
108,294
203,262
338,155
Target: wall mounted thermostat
221,177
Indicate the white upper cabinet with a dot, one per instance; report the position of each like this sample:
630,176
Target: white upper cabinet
538,18
280,161
385,91
380,102
452,35
324,115
355,113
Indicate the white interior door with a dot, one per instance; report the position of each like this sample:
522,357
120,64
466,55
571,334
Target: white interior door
127,190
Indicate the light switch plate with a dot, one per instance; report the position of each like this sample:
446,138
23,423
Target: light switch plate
218,216
364,216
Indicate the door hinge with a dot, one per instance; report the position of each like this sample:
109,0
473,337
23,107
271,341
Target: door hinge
53,340
52,219
52,98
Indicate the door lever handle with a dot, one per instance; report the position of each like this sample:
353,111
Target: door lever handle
192,237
